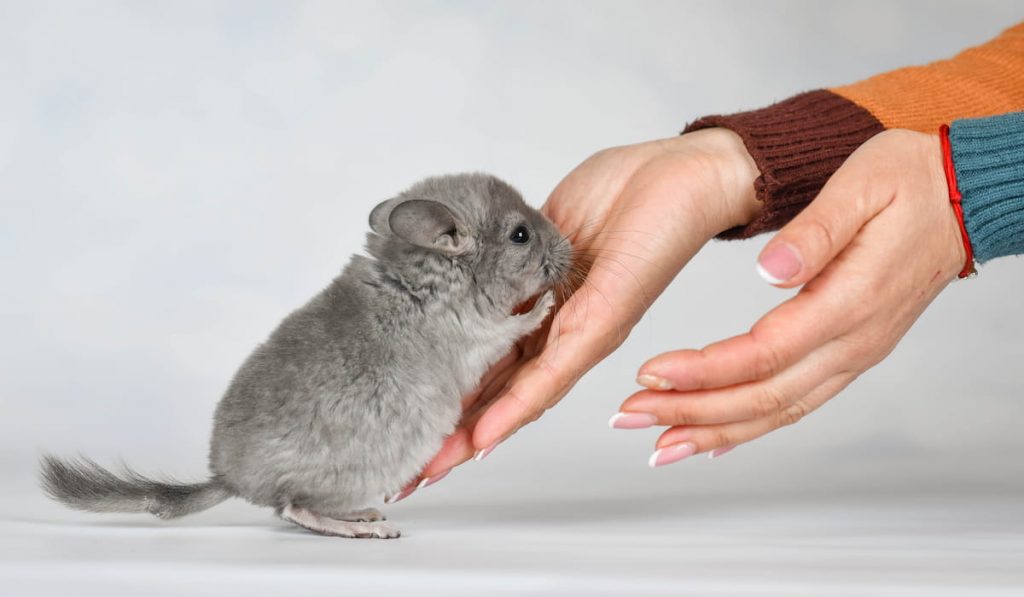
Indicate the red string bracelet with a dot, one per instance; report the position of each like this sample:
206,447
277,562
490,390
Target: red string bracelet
954,199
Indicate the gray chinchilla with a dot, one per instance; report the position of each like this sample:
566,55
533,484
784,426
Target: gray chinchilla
354,392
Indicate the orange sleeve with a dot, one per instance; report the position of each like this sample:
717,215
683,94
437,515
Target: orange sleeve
982,81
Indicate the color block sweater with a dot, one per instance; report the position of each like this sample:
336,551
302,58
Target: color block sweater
800,142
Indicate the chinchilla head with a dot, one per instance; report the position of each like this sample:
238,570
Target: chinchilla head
473,226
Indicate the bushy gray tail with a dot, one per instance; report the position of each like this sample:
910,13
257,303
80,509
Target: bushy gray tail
84,485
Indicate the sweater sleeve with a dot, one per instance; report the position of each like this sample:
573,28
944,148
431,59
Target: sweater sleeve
988,156
800,142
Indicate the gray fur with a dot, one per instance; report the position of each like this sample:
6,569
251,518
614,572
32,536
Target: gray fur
84,485
354,392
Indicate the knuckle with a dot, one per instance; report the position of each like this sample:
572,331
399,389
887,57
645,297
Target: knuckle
792,414
768,362
597,158
896,136
545,366
719,438
820,235
524,406
860,287
862,206
607,153
680,415
768,402
867,348
694,364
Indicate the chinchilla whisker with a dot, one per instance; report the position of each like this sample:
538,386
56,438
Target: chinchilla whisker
597,220
622,234
597,252
605,260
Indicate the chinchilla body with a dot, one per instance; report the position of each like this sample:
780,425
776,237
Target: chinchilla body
353,393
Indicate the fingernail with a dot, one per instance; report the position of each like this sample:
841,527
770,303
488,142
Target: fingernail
401,495
428,481
653,382
719,452
481,454
779,263
672,454
632,420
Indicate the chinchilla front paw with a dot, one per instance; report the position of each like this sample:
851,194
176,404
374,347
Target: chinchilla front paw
532,319
543,305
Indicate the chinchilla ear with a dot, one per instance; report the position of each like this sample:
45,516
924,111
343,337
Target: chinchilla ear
428,224
379,217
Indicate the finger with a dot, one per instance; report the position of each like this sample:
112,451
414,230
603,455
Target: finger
585,329
679,442
582,333
744,402
541,381
457,448
814,237
784,336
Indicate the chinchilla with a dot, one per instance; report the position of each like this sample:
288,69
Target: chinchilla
355,391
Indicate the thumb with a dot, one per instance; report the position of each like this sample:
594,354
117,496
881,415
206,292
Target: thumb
824,228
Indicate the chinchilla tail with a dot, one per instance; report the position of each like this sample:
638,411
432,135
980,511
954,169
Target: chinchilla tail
84,485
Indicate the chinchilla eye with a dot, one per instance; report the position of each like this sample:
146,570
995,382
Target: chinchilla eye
520,235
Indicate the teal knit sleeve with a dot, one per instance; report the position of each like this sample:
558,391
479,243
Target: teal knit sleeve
988,154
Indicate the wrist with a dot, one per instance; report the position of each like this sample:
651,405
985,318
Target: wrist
955,201
797,144
953,255
729,199
739,172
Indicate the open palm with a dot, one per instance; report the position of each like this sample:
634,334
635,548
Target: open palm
635,216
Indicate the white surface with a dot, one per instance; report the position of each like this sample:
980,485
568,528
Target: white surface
175,177
647,545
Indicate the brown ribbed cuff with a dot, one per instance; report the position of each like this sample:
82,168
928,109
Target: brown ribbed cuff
797,144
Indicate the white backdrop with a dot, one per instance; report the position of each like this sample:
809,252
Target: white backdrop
177,177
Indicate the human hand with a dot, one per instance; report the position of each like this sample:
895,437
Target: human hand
636,215
872,251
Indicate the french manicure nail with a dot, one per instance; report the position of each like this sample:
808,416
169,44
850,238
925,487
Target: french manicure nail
779,263
481,454
719,452
653,382
672,454
401,495
632,420
428,481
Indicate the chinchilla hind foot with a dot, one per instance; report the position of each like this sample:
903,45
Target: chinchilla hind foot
324,525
